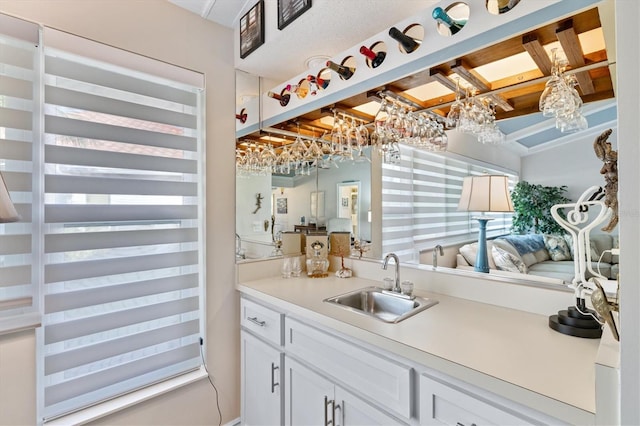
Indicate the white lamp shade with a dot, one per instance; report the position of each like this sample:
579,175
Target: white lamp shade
8,212
487,193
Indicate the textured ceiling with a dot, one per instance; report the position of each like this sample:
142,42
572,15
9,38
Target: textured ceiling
332,26
329,27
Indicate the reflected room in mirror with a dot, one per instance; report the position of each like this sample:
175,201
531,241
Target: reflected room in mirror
412,191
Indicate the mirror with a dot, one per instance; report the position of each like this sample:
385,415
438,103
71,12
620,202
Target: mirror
536,151
348,209
294,202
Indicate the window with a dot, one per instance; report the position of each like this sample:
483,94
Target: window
122,226
420,200
19,94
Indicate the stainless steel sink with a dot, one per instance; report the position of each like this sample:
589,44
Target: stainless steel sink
380,304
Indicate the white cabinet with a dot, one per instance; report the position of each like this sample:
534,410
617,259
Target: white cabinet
385,382
312,399
261,367
261,375
307,395
319,376
455,404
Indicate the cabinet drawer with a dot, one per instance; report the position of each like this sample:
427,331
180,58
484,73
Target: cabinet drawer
379,379
444,405
262,321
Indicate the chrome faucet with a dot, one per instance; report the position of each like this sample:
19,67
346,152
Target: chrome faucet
437,249
396,287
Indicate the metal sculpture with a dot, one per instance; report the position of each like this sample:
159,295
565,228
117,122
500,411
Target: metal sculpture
610,172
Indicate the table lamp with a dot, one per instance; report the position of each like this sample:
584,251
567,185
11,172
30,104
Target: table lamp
340,243
486,193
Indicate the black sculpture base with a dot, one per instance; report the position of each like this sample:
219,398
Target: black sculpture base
574,323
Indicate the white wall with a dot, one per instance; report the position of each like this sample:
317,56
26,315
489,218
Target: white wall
299,197
573,163
468,147
628,93
160,30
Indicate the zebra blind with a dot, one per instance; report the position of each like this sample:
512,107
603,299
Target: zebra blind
420,199
19,95
123,250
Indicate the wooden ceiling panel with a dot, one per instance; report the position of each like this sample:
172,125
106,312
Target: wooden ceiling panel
520,91
583,22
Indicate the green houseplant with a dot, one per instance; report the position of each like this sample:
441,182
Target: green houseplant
532,208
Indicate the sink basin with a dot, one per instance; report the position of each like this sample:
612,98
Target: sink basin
380,304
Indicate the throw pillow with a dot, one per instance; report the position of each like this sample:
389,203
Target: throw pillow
506,261
569,240
595,254
557,247
470,251
616,245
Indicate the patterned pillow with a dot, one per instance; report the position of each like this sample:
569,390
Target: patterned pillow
568,238
557,247
506,261
595,254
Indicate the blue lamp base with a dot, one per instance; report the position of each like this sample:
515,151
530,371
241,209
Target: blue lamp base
482,260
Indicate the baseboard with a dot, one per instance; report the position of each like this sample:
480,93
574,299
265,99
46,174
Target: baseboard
234,422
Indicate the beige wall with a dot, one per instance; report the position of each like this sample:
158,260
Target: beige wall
160,30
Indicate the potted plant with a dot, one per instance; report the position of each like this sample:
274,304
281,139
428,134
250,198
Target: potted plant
532,207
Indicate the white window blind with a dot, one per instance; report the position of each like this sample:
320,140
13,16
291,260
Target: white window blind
420,199
19,107
123,251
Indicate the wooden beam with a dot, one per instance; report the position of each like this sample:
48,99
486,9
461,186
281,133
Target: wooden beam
538,54
473,78
573,50
441,78
501,102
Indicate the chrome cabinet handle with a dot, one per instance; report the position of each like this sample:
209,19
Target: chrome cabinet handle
328,401
273,380
256,321
337,407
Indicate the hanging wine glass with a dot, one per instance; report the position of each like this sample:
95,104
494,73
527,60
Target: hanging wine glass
362,135
454,111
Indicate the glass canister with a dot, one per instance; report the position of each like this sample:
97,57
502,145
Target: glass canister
317,264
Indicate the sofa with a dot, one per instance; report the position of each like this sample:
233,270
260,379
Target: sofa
549,256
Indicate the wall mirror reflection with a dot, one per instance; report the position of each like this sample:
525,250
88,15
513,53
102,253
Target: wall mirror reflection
506,80
347,208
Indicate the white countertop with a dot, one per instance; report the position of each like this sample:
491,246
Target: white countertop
509,352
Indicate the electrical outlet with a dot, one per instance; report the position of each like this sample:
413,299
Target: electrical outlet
615,251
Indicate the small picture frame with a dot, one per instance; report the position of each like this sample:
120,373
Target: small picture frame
281,205
252,29
290,10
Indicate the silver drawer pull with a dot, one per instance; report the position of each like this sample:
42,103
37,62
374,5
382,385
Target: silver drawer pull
274,367
256,321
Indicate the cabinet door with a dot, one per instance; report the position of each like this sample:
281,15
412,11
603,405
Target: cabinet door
261,375
353,411
308,396
445,405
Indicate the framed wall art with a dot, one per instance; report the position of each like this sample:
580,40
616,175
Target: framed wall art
289,10
252,29
281,206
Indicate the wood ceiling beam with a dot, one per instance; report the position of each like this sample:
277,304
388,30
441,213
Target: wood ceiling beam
465,71
573,50
538,54
473,78
441,78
